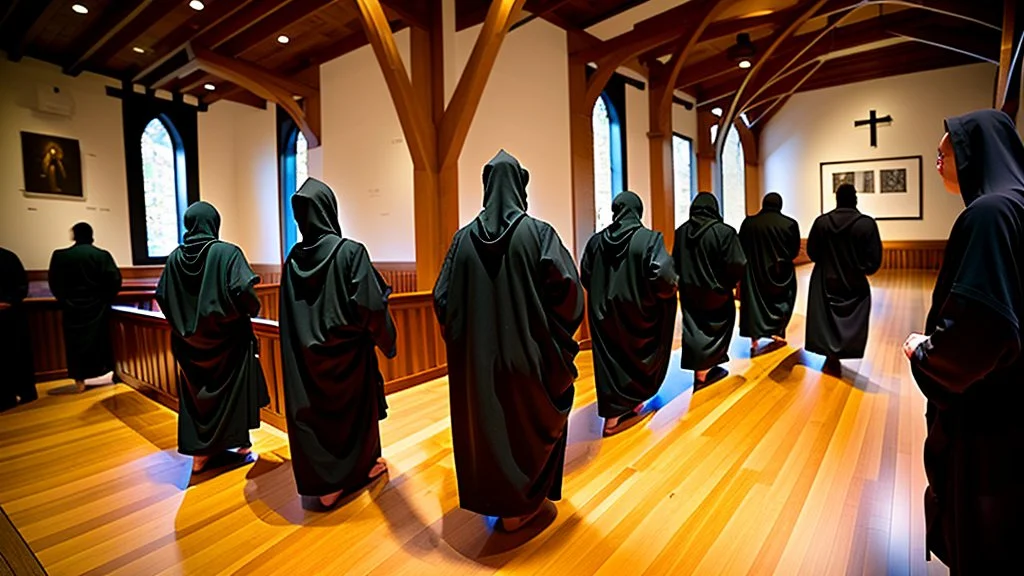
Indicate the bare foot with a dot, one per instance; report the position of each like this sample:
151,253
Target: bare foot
701,375
379,468
778,339
331,499
517,522
79,386
753,346
199,462
243,451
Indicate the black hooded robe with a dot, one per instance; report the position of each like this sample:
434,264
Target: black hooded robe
771,242
710,262
19,379
631,288
85,280
971,369
508,300
845,248
206,293
334,312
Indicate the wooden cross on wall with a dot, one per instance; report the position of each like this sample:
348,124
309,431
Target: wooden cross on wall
873,121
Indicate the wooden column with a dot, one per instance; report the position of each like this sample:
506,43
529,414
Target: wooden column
1007,96
659,140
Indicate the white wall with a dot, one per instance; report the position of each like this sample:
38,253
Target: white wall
638,150
33,227
217,179
525,110
817,126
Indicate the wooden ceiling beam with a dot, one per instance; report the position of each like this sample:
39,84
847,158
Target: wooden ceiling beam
975,45
154,12
346,44
723,29
412,12
114,18
706,12
272,25
238,22
22,24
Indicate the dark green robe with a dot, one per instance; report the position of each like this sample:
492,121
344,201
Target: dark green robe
710,262
206,293
509,302
334,313
631,288
85,280
771,241
19,382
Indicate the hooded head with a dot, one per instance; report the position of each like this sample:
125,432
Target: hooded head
202,223
846,196
772,202
988,155
703,215
82,233
316,211
504,195
627,208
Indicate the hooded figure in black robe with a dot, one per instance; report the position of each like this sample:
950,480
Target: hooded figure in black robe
970,366
771,242
334,313
508,300
845,248
631,288
206,293
85,280
710,262
19,379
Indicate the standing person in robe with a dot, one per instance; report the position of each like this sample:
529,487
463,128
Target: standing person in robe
508,300
969,364
85,280
845,248
206,293
19,379
710,262
631,285
334,313
771,242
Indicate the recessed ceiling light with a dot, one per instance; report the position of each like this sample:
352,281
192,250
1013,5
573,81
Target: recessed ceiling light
196,5
80,9
716,111
209,87
138,50
744,64
283,39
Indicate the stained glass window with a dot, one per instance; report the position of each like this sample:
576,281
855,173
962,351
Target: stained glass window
734,188
602,164
161,189
682,168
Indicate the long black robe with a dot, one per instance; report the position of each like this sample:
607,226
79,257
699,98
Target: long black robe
971,368
206,293
509,301
85,280
771,241
631,287
845,248
19,381
710,262
334,312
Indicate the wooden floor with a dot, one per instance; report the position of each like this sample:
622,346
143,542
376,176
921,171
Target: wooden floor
777,469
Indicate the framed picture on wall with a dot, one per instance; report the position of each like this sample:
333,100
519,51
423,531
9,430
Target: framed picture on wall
887,188
52,166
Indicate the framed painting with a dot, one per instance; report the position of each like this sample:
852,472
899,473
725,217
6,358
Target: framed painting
887,188
52,166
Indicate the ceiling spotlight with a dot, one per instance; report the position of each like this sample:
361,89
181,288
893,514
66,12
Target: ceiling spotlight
716,111
138,50
283,39
744,64
80,9
196,5
209,87
742,51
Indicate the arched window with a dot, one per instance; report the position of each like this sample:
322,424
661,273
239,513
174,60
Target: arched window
163,187
682,168
608,166
734,182
293,172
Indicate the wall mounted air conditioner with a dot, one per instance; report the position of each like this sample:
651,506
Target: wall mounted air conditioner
54,100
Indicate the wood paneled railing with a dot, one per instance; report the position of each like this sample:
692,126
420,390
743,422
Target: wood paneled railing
901,254
142,348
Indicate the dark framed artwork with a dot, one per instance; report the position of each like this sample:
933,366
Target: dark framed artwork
52,165
887,188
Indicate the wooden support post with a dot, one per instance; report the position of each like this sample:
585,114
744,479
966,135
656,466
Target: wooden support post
659,138
1007,97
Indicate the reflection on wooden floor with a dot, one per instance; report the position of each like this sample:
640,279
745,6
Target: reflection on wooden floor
777,469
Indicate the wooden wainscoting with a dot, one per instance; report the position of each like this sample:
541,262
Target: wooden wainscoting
401,276
900,254
270,301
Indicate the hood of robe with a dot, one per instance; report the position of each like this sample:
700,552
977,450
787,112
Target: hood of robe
989,154
202,229
772,203
504,199
627,209
316,213
703,214
82,233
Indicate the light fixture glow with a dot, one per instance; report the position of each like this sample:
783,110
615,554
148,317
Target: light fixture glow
209,87
138,50
80,9
196,5
716,111
283,39
745,64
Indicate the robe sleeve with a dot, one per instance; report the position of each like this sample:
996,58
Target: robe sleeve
793,241
371,294
560,284
442,284
55,277
813,241
111,277
660,271
241,284
677,255
587,263
971,341
15,281
735,261
871,246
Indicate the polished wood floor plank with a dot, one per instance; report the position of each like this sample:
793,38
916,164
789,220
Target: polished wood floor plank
778,469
